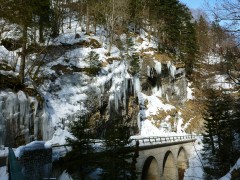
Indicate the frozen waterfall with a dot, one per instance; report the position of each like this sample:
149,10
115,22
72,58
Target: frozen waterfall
21,116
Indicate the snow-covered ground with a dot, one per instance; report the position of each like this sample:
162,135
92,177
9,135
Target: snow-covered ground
65,176
3,151
195,170
3,173
223,82
212,58
228,176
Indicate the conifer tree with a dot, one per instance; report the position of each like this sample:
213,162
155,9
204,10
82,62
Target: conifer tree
93,60
175,31
81,156
41,9
116,161
132,56
219,149
210,139
202,34
134,63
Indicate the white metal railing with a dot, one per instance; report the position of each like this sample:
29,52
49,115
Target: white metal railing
161,139
61,150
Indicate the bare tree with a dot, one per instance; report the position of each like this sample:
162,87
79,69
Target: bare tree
227,13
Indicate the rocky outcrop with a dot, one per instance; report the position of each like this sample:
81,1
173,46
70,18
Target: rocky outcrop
166,79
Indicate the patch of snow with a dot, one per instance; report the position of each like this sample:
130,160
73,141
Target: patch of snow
31,146
222,82
4,53
213,59
95,174
3,151
187,124
148,71
189,92
9,73
59,137
65,176
115,52
195,169
179,123
148,129
154,104
3,173
228,176
172,69
158,67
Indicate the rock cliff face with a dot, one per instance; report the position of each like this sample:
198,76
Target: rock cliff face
165,79
24,118
69,89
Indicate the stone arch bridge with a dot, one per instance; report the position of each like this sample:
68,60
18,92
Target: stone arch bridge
163,158
160,158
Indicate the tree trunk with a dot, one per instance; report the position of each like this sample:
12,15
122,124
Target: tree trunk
41,39
211,140
87,21
111,28
23,54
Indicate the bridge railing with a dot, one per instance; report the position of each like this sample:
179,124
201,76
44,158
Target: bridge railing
62,150
163,139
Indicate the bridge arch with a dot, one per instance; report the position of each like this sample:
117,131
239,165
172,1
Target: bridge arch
169,167
150,169
182,162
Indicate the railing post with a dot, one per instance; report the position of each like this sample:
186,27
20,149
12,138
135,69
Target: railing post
15,168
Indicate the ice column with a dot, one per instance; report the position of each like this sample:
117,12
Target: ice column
158,67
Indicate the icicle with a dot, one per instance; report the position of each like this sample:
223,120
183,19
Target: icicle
111,98
168,64
167,98
2,124
160,92
36,127
33,120
176,90
23,109
172,71
11,109
46,130
148,71
136,85
154,90
139,121
158,67
116,101
125,89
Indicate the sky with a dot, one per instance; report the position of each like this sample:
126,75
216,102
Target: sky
195,4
